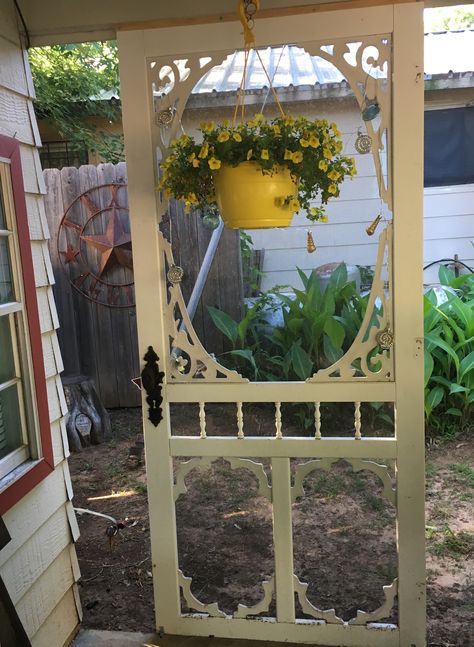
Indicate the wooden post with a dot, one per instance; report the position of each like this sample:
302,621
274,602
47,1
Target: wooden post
150,286
407,160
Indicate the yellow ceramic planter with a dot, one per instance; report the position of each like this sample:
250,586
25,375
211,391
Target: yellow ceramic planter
247,199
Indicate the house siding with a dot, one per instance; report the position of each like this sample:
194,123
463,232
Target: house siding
39,564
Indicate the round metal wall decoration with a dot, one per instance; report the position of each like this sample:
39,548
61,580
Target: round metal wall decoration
363,143
385,338
175,274
95,248
165,117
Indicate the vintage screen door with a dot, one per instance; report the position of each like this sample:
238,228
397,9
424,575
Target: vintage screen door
159,68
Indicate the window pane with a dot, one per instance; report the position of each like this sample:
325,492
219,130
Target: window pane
6,285
10,421
7,364
3,223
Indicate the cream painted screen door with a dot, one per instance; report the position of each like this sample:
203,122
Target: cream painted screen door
378,51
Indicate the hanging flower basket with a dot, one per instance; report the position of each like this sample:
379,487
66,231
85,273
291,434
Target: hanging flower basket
250,199
258,173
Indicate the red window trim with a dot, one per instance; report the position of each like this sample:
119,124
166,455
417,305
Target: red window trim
10,149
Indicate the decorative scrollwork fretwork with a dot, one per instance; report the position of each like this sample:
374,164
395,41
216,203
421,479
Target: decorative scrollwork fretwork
184,339
192,601
360,362
384,611
261,607
367,67
328,615
264,488
358,465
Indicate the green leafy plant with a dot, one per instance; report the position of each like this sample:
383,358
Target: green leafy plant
318,326
311,150
73,83
449,353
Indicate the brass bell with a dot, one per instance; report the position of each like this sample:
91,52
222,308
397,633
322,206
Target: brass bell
310,246
373,225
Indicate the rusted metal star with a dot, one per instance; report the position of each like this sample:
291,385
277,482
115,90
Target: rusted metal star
70,254
115,246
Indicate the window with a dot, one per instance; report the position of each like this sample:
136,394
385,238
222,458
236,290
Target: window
60,154
25,442
449,146
14,446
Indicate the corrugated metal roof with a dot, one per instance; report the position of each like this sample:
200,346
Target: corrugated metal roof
291,66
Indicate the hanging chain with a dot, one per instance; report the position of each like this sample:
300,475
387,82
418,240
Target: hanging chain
247,11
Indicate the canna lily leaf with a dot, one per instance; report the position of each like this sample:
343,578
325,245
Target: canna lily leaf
434,340
301,361
467,365
224,323
429,366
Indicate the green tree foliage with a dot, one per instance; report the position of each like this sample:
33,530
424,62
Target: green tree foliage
74,83
449,18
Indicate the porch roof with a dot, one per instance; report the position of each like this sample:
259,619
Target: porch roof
49,21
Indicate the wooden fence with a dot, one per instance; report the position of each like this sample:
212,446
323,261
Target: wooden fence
91,256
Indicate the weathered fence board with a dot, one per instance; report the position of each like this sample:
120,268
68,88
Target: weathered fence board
99,341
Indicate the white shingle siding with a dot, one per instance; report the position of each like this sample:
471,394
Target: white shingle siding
39,565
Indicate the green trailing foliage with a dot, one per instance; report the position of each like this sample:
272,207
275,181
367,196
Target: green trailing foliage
449,354
70,83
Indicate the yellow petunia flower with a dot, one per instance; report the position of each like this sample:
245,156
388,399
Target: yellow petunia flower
237,137
203,153
259,118
294,205
214,163
332,188
304,142
207,126
249,154
223,136
334,175
314,141
297,157
195,163
327,153
323,165
288,154
192,198
338,147
276,130
324,219
265,154
288,120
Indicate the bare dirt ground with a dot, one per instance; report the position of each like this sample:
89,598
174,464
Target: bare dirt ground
344,535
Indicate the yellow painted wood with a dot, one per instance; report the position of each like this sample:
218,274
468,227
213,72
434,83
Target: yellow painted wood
280,447
407,164
149,291
304,631
142,137
334,390
283,539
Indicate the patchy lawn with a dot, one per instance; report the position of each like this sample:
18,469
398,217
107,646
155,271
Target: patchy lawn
344,536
